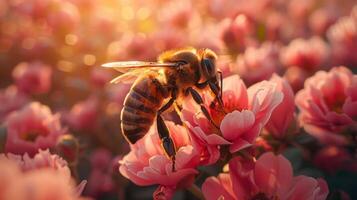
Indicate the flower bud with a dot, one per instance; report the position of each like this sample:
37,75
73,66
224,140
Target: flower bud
235,33
67,147
296,77
163,193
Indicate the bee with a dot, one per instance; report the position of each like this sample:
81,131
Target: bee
157,86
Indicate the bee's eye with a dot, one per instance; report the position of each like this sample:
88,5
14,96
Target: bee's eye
207,63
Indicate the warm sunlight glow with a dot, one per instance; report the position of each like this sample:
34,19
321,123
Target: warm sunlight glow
178,99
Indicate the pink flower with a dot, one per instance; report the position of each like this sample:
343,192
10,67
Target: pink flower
177,14
31,128
296,77
100,178
35,8
307,54
101,159
33,78
342,160
343,38
99,182
227,8
166,39
235,33
146,164
283,115
43,159
46,176
132,46
100,77
221,9
328,104
257,64
270,177
9,174
299,10
36,48
11,99
321,19
83,115
246,112
163,193
207,35
62,17
275,23
103,24
45,184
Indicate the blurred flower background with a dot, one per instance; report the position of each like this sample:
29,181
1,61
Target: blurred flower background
289,126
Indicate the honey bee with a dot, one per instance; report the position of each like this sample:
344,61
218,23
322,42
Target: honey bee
159,85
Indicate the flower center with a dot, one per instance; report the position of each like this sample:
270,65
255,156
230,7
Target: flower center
218,113
335,104
32,135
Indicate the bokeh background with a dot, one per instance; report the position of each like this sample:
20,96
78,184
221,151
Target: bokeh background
51,52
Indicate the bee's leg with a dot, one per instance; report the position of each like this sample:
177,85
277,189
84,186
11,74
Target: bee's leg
201,85
198,99
166,141
215,89
178,107
216,86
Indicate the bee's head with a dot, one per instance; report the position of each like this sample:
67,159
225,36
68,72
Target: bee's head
208,69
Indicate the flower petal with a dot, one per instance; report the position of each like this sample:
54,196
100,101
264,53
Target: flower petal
214,188
236,123
273,173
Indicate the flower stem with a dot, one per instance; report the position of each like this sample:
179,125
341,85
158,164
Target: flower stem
195,190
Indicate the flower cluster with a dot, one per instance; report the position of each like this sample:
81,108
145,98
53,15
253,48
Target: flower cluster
45,176
286,127
269,177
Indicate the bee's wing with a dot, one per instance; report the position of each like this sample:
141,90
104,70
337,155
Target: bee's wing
129,77
126,66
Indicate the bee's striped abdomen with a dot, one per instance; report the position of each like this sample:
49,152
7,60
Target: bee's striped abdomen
140,107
